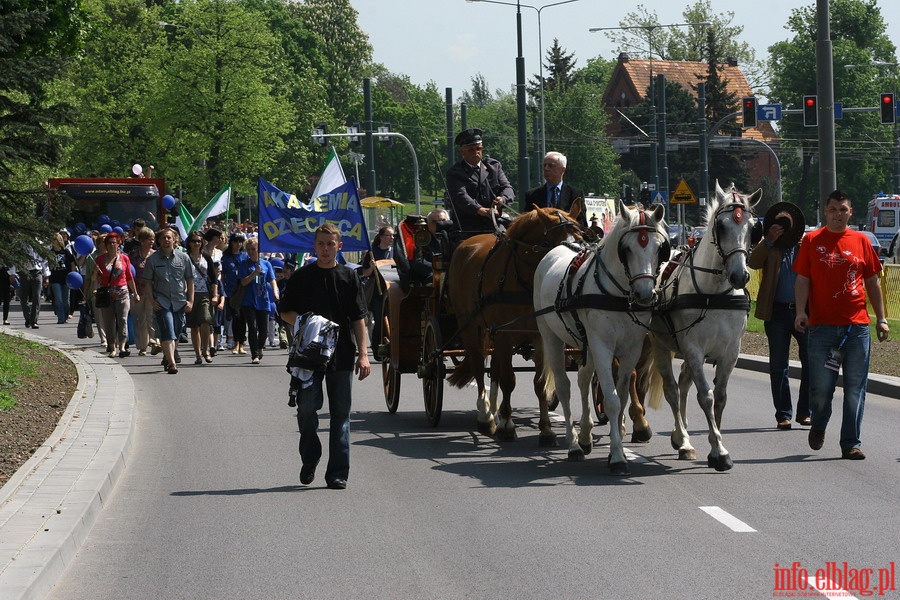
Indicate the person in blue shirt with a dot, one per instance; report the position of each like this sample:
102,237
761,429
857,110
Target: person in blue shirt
232,257
257,274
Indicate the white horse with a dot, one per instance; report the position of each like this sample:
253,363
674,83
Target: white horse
598,299
702,314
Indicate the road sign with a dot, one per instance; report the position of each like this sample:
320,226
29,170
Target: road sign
661,198
838,110
683,194
768,112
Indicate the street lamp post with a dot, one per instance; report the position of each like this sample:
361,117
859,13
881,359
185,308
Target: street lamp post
654,152
895,146
537,10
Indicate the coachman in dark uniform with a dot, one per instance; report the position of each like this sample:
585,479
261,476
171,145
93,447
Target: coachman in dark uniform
477,186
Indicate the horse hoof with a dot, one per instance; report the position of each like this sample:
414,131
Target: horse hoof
640,436
618,468
586,448
488,429
720,463
506,435
687,454
547,440
602,419
576,455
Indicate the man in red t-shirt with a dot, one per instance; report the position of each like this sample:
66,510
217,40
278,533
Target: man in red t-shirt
836,269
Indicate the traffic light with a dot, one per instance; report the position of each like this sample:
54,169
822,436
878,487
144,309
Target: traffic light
810,111
382,129
748,109
354,129
319,133
888,116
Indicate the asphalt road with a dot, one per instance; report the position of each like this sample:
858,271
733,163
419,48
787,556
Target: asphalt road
210,505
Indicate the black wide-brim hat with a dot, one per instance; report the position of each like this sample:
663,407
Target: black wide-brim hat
468,136
794,224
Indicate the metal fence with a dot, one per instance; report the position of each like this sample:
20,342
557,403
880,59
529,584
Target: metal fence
890,287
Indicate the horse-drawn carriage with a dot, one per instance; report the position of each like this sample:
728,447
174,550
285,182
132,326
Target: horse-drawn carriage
538,290
442,321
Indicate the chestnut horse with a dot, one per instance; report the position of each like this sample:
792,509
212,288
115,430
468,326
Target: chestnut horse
490,283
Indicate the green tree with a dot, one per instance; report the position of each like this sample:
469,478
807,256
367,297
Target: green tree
299,80
480,95
36,38
863,146
576,124
348,54
218,113
109,84
560,71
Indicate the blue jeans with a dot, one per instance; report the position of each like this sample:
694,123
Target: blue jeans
779,331
822,381
169,324
60,293
309,402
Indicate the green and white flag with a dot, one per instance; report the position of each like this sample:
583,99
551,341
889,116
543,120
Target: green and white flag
332,177
218,205
184,220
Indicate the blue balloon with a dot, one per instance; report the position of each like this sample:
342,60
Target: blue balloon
115,223
103,219
118,230
168,202
74,280
84,245
105,228
80,227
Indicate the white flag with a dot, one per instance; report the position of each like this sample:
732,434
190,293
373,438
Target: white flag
216,206
332,177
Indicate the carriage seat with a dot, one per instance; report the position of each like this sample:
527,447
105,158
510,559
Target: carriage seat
411,272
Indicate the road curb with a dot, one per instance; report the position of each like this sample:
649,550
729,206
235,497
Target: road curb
882,385
48,507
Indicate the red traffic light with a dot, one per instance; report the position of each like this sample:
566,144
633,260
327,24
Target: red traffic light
748,111
888,112
810,111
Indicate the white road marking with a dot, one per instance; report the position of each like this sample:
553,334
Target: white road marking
633,456
832,593
727,519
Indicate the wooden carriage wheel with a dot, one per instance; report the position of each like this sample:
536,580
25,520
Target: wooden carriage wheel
389,375
433,371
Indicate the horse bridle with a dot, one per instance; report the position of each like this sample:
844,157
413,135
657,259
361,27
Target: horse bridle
738,210
642,230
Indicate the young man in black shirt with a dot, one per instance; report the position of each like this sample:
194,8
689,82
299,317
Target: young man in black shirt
333,291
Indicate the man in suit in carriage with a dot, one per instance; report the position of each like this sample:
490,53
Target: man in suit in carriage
477,186
555,193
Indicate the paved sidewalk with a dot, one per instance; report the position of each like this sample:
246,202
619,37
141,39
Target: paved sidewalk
48,507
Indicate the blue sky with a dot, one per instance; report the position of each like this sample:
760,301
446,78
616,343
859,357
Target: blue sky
449,41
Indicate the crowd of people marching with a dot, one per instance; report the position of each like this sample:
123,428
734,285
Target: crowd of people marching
102,285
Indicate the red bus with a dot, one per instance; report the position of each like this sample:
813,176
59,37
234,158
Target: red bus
122,200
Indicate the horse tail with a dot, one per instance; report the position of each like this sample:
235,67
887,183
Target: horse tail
462,374
549,381
654,382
